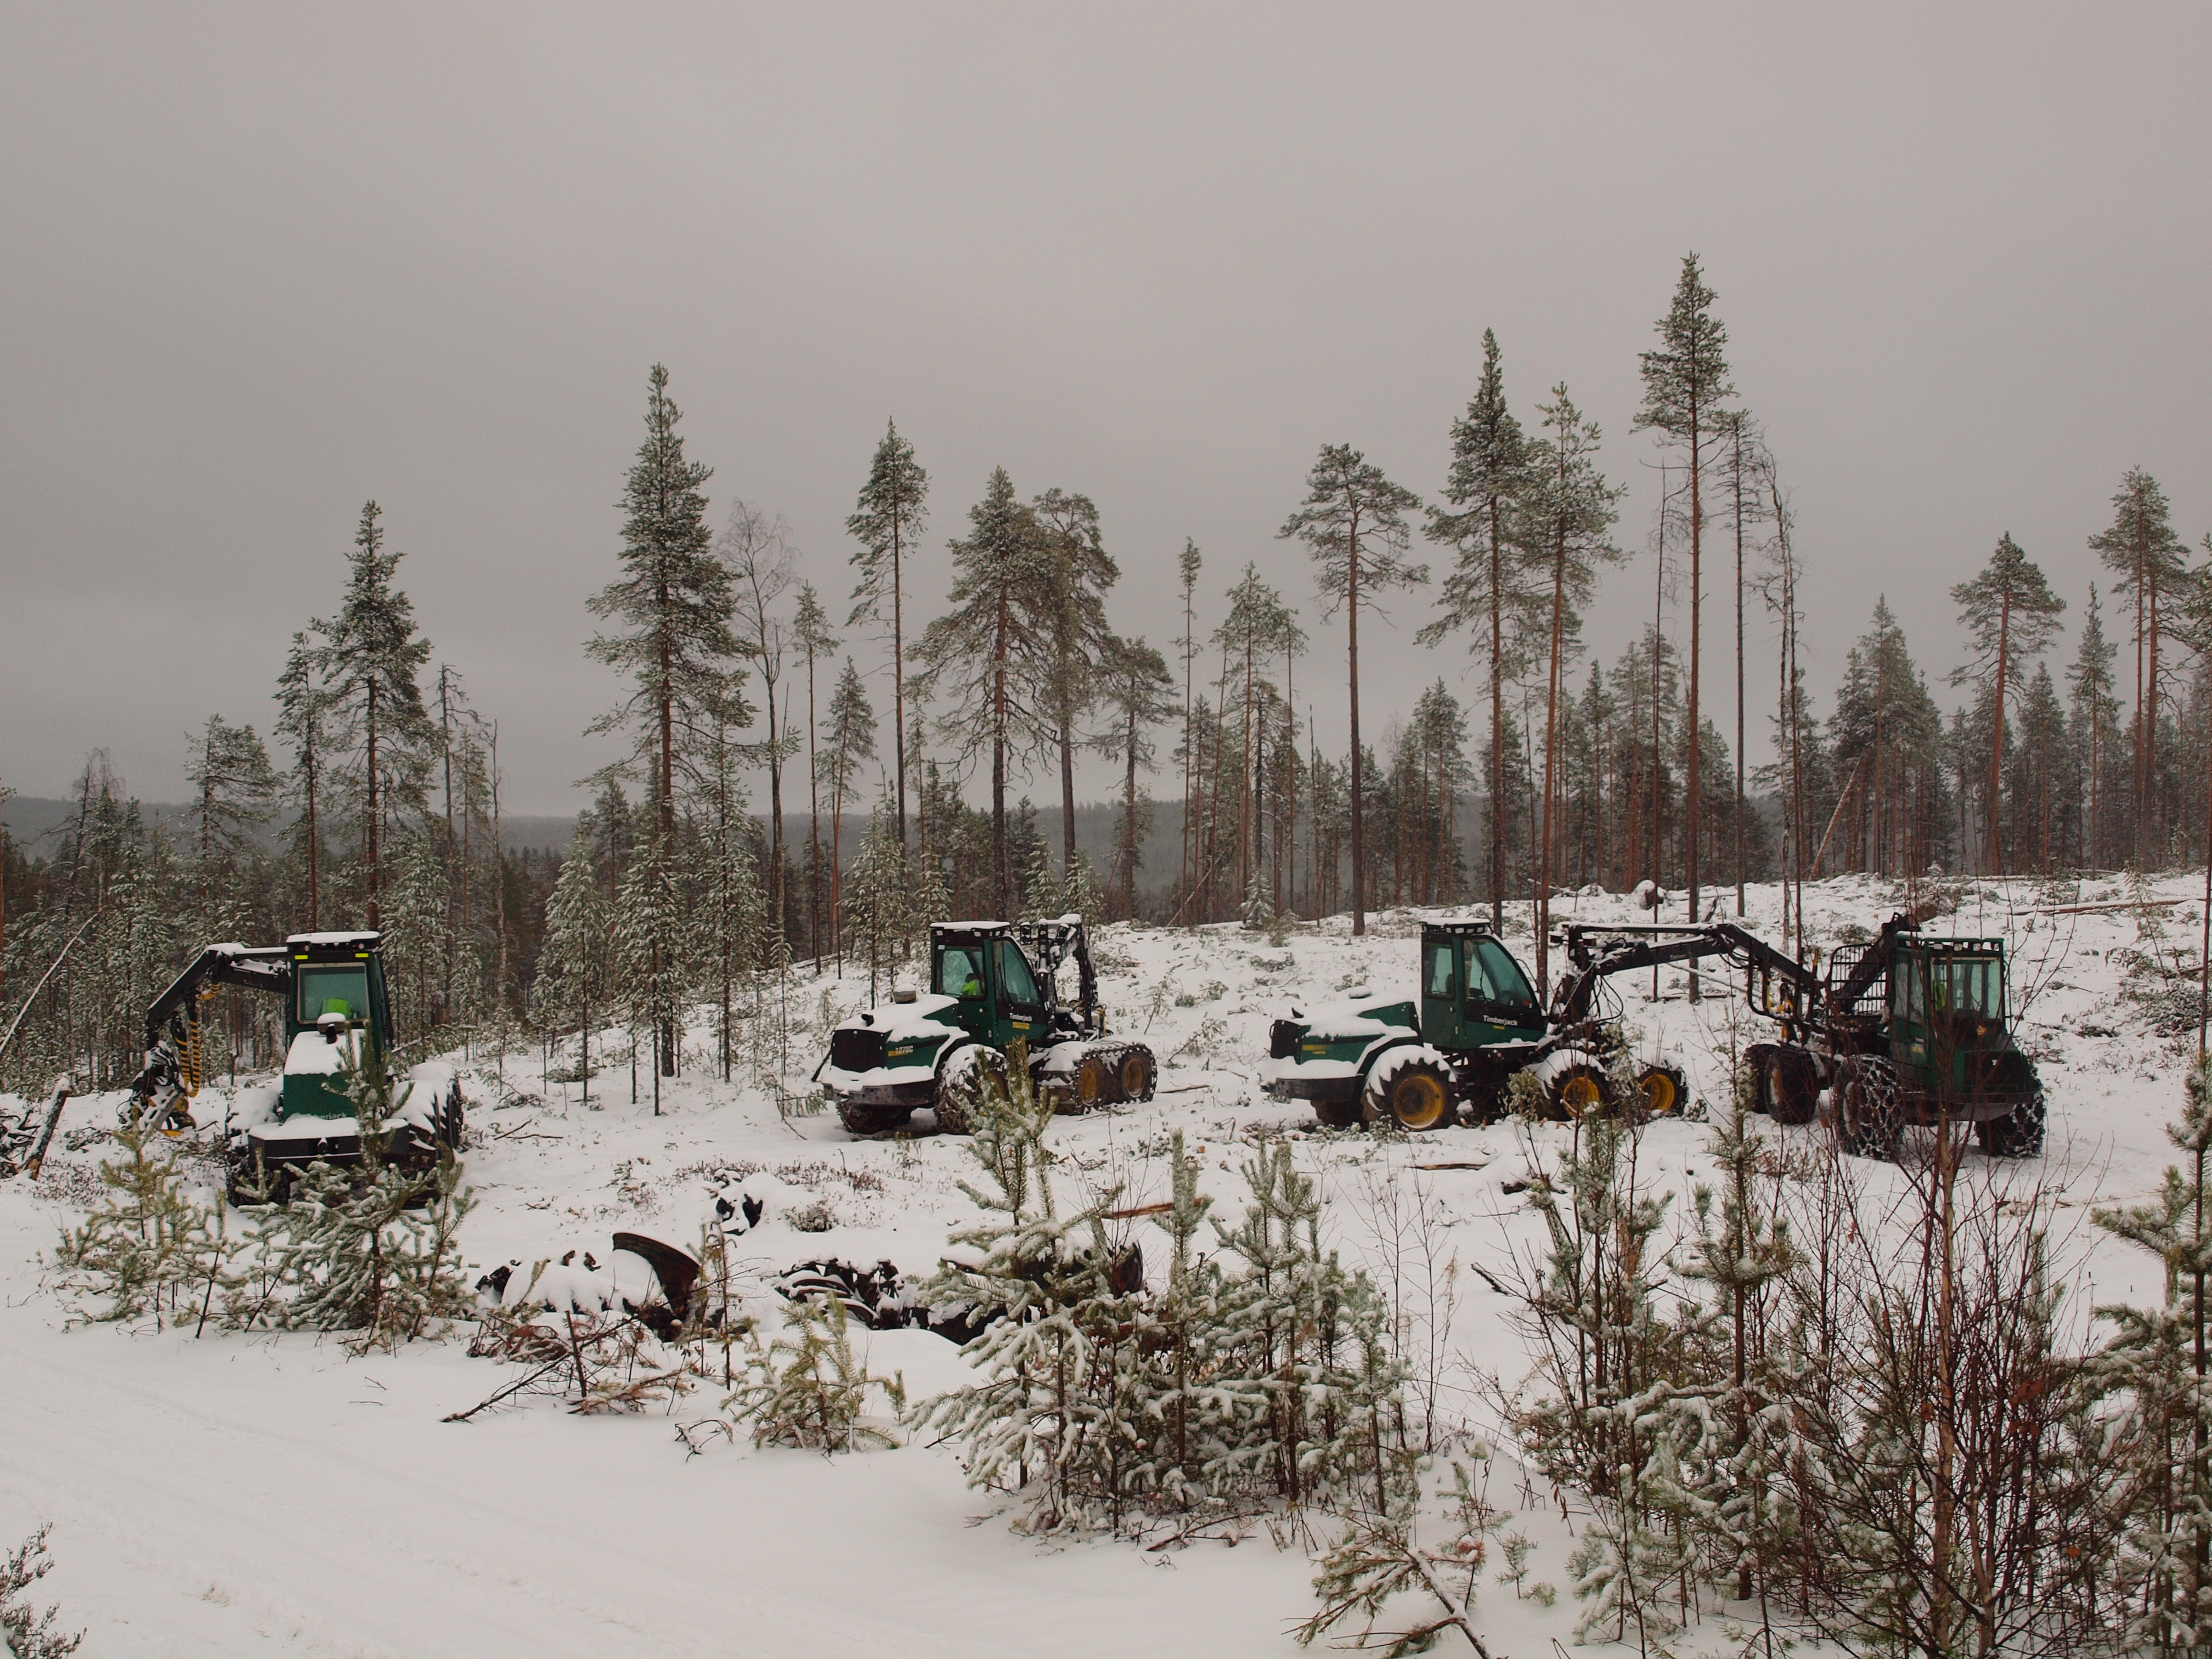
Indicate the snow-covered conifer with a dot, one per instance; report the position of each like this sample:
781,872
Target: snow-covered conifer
650,973
573,960
149,1240
29,1634
806,1390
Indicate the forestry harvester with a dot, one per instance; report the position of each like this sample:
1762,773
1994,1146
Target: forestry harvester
337,1017
1902,1029
1416,1061
987,993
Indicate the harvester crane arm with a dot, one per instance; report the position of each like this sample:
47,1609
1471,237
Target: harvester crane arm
1599,952
172,1021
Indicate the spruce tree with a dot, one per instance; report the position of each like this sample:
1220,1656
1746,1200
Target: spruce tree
810,632
673,601
573,957
1570,509
649,951
1489,588
1136,688
849,733
1686,382
228,766
2010,614
985,658
369,659
887,522
2092,715
1353,523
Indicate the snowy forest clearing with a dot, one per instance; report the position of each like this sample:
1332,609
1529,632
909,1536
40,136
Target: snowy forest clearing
234,1493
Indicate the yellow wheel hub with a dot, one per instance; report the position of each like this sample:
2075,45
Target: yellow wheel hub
1087,1082
1579,1094
1660,1096
1417,1101
1133,1075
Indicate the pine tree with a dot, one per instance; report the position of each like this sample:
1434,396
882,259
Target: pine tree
887,522
228,766
2159,1361
1489,588
1188,563
1077,635
756,552
1353,523
2011,614
369,660
1570,509
372,1248
1685,383
28,1634
147,1243
2141,549
985,657
807,1391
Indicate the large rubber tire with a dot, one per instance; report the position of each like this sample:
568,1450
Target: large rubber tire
960,1081
1576,1091
1793,1085
870,1120
1866,1108
1090,1084
1338,1114
2018,1133
1417,1096
1138,1073
1759,1071
1664,1091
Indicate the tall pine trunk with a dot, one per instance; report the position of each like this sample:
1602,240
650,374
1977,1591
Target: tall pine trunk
1351,654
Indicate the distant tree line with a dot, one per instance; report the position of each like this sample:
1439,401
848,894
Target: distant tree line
380,806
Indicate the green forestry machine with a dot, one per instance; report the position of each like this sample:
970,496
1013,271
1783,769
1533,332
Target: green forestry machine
1417,1062
1902,1029
987,993
336,1013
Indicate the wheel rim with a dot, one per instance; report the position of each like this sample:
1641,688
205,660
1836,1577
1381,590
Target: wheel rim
1418,1101
1086,1082
1659,1095
1133,1075
1579,1094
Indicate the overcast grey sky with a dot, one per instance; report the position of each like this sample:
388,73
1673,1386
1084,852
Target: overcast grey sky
261,263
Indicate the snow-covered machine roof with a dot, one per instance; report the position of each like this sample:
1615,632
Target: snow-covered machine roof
328,939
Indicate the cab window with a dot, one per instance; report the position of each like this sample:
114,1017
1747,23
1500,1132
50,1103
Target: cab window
333,989
1976,987
1907,992
1438,981
960,972
1016,982
1494,976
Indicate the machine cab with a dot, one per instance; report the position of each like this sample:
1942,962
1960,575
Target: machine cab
1947,1001
1473,992
999,1000
336,1001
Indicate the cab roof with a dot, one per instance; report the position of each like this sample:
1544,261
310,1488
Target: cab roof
947,929
1458,929
334,941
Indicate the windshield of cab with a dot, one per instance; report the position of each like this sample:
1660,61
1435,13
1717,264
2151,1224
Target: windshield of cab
336,988
1494,976
960,972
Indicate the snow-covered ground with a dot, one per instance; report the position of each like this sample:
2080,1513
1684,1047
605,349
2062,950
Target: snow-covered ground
227,1495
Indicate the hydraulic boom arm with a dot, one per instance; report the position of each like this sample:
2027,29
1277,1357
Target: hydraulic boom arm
172,1067
1596,953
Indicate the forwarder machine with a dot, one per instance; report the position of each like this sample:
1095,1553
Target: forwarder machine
1900,1030
337,1016
940,1049
1477,1022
